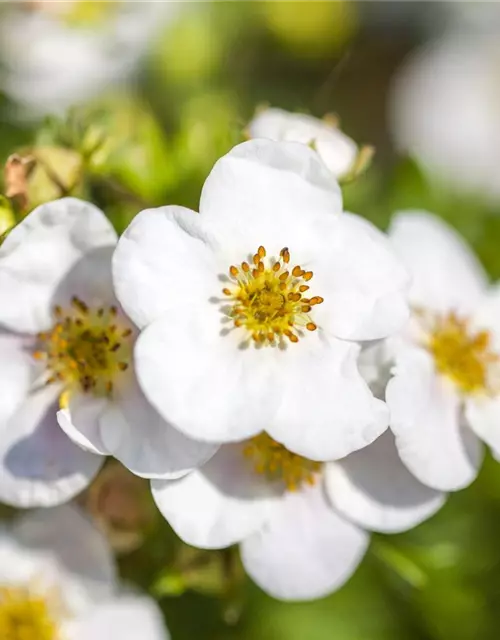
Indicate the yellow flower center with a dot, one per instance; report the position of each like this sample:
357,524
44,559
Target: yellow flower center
77,13
268,298
86,347
24,616
273,460
462,354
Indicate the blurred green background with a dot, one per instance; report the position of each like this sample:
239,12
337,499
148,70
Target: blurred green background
152,142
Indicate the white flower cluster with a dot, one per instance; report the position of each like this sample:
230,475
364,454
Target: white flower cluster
288,377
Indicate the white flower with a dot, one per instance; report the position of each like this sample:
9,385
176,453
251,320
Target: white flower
337,150
58,580
66,343
445,394
67,64
250,309
303,525
444,110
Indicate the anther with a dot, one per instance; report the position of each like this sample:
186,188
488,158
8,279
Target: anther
284,276
316,300
297,271
303,287
276,267
307,275
233,271
226,292
310,326
245,266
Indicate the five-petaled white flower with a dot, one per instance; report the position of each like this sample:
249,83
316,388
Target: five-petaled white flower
58,580
303,525
251,311
66,354
445,393
338,151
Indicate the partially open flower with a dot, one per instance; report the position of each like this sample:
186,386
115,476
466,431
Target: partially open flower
339,152
251,311
66,356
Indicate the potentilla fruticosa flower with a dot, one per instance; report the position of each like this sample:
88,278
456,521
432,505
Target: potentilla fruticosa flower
58,581
444,397
340,153
251,311
66,356
303,525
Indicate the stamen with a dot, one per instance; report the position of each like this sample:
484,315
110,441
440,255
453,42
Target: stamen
267,297
25,616
81,349
464,355
272,459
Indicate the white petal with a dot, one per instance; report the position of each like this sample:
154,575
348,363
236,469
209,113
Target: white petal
219,504
363,282
326,409
267,193
336,150
162,264
374,489
306,550
16,372
483,416
80,421
63,541
201,380
89,279
137,435
427,420
446,274
39,464
39,252
127,618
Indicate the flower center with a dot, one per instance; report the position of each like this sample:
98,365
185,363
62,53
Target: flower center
85,347
462,354
268,298
76,13
24,616
273,460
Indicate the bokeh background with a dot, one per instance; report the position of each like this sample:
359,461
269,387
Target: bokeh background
420,81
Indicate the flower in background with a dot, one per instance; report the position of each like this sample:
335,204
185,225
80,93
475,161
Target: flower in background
339,152
251,311
58,580
303,525
77,48
66,356
445,109
444,397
